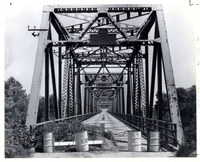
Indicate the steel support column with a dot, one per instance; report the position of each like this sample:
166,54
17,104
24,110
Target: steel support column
78,84
123,107
134,87
128,92
73,88
47,84
147,76
60,76
169,77
118,101
159,71
31,118
86,101
54,84
125,94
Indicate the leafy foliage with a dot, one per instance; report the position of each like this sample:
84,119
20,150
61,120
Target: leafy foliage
64,131
41,109
17,137
187,106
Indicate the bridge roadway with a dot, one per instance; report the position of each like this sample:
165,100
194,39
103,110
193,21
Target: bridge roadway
116,128
120,133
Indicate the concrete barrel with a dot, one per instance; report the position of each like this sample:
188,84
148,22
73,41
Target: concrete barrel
134,141
153,141
48,142
81,140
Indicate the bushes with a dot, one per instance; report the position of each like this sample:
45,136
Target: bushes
187,104
64,131
17,142
186,149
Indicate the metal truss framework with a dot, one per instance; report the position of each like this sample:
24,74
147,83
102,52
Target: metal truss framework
115,57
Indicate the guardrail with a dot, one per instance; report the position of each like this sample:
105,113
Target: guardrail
168,132
80,117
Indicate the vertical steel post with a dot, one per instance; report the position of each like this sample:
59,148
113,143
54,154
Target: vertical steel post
114,102
68,92
147,76
78,84
125,93
85,101
150,113
82,78
95,104
54,84
121,102
128,92
123,107
47,84
159,71
89,101
139,89
60,76
53,74
133,90
73,88
117,99
155,51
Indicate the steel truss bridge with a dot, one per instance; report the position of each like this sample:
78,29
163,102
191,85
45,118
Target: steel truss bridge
113,57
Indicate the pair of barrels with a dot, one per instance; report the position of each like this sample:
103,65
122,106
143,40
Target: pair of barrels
135,144
81,141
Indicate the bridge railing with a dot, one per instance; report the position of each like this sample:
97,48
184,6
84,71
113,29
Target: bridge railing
79,117
168,132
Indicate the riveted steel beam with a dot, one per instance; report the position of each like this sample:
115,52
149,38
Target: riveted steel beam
86,43
31,118
108,8
169,77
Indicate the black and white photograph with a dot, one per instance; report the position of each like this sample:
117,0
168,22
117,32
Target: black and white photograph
86,80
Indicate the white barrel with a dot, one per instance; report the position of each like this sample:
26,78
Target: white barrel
153,141
48,142
134,141
81,140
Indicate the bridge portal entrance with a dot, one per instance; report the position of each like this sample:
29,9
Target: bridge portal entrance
113,57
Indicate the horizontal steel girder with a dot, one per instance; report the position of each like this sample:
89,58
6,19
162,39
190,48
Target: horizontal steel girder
96,30
108,8
81,43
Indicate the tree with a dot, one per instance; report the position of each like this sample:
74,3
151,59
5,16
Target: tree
41,109
16,134
16,102
187,106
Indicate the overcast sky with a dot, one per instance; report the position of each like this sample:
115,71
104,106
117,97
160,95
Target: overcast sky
20,45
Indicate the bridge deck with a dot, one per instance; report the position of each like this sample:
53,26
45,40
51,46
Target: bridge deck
120,132
116,127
